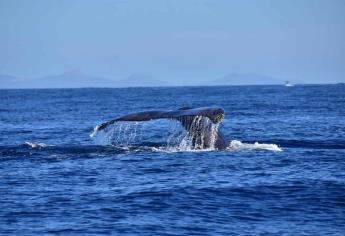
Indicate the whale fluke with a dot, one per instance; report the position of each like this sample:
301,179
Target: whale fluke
187,116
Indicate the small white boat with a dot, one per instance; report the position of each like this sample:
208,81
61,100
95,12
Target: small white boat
287,84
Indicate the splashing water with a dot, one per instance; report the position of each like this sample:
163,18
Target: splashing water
121,134
199,134
202,134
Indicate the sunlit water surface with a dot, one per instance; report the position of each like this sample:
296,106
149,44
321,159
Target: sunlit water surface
283,172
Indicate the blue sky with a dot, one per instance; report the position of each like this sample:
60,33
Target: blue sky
174,40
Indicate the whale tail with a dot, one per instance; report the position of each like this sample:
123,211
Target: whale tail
195,121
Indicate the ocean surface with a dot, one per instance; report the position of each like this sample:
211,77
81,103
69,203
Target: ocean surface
283,172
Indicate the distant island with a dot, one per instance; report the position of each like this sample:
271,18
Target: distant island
81,80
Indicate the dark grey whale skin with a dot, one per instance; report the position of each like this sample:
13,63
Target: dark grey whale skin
185,115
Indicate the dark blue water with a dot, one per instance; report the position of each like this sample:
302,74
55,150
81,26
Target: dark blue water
55,179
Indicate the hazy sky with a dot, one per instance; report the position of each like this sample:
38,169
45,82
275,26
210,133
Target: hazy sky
174,40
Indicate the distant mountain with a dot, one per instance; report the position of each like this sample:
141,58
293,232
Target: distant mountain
65,80
138,80
69,80
245,79
78,80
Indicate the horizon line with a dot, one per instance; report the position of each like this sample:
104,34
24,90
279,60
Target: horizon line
173,86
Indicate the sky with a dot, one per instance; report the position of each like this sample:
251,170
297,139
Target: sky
177,40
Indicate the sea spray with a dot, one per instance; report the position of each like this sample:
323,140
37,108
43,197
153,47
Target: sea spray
201,133
175,135
120,134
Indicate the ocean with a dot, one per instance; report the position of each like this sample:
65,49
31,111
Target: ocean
283,172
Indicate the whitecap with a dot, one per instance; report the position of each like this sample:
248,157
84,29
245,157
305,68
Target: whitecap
238,145
37,145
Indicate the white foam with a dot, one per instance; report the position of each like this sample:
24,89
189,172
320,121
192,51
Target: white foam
95,130
37,145
238,145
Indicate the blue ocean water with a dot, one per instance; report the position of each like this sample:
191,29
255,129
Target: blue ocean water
55,179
